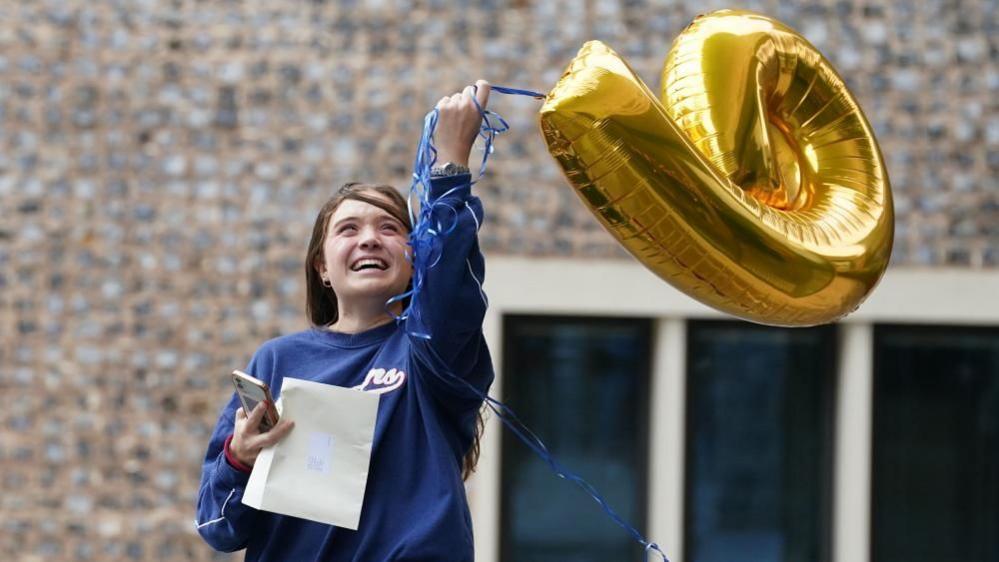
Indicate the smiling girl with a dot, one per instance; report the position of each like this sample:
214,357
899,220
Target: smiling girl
428,422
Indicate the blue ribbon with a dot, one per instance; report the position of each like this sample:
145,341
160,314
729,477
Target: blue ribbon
434,220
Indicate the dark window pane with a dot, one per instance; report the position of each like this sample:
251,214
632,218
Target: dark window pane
935,492
759,442
581,385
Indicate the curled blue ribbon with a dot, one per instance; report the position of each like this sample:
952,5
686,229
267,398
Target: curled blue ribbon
436,219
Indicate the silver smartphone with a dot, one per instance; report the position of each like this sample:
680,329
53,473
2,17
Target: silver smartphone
252,391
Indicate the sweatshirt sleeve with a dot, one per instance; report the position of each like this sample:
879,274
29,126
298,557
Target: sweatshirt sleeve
222,519
451,302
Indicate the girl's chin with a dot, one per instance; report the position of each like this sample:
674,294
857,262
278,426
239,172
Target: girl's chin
374,289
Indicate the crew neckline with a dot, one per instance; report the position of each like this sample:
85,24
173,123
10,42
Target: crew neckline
360,339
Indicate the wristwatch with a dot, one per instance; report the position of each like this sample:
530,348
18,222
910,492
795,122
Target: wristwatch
448,169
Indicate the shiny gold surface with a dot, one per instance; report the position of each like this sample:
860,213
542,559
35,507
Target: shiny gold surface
755,185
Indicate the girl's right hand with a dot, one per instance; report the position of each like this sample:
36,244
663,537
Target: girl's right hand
248,441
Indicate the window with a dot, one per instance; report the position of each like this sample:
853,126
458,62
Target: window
759,442
581,385
935,493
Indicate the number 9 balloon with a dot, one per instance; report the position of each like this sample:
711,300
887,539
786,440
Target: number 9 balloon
755,186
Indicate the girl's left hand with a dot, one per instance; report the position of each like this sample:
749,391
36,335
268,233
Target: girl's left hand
458,123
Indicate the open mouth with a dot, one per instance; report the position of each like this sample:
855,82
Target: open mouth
369,263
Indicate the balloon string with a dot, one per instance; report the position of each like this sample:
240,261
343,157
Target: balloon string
433,221
517,92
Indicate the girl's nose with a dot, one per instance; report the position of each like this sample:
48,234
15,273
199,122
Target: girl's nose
370,239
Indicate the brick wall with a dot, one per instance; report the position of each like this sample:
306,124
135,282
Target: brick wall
161,164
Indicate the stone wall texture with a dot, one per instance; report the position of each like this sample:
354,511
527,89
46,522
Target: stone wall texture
161,163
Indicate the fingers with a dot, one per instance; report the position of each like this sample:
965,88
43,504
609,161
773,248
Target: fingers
257,443
480,91
449,101
280,430
240,414
257,414
247,442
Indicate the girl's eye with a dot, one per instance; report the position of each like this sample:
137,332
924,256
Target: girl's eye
391,227
347,228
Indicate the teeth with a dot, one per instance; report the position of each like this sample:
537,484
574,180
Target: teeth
368,261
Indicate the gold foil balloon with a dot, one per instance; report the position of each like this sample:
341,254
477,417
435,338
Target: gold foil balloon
755,185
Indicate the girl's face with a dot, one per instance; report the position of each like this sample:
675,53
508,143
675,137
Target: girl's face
364,254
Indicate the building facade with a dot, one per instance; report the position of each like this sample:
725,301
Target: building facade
161,164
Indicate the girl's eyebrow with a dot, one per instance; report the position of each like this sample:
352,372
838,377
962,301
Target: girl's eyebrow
343,220
385,216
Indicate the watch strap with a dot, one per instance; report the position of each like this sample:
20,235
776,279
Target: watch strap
448,169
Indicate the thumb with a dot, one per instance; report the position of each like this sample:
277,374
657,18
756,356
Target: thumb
482,92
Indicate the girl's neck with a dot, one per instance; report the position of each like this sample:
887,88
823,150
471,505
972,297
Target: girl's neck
357,319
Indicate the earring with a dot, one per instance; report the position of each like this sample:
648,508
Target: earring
327,283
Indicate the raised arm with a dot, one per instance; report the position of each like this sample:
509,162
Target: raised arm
451,302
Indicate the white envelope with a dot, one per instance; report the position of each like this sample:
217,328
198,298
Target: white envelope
320,469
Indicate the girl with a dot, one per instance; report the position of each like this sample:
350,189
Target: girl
426,432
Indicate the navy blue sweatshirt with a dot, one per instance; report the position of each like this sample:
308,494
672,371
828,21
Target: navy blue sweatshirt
414,505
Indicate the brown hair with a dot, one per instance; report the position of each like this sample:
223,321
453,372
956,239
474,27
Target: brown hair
321,301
